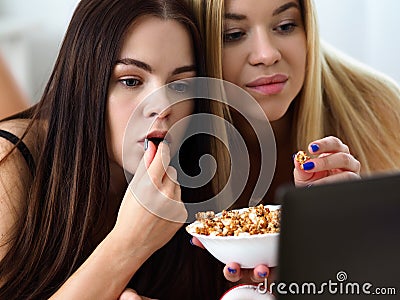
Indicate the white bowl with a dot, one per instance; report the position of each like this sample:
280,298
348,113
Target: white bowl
248,250
246,292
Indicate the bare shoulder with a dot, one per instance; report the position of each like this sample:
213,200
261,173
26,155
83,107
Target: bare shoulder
16,127
32,138
15,174
15,179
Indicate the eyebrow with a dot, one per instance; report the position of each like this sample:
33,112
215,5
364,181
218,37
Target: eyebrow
285,7
279,10
147,67
184,69
137,63
235,17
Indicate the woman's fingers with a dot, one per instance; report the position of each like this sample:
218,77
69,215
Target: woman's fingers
148,158
333,161
150,153
299,174
129,294
195,241
159,165
163,176
234,273
330,144
260,272
338,177
341,160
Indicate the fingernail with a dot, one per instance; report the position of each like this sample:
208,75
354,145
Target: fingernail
294,155
191,242
262,275
232,271
165,141
314,148
308,166
146,144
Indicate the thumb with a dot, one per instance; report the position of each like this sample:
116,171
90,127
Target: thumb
147,159
300,176
149,153
195,242
129,294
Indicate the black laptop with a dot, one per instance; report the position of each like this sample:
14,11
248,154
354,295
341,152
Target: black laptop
340,241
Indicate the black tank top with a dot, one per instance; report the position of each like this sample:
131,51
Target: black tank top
21,147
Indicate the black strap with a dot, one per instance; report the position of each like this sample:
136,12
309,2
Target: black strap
21,147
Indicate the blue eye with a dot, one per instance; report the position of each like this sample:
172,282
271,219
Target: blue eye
233,36
131,82
286,28
179,86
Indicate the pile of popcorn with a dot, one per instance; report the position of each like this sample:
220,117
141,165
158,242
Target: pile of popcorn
250,221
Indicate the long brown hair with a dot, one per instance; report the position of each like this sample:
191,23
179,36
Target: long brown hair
71,181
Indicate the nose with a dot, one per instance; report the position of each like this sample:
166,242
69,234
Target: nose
157,105
263,50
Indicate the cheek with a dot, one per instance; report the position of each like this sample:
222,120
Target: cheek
180,122
118,117
187,108
299,58
182,110
114,134
232,62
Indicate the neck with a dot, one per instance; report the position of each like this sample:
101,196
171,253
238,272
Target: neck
109,214
283,131
118,182
284,152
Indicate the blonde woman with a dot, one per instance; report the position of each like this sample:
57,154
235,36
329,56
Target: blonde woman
345,114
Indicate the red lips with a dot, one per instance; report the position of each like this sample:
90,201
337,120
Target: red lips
268,85
278,78
156,134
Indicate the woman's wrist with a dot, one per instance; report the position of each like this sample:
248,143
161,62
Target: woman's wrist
107,270
129,250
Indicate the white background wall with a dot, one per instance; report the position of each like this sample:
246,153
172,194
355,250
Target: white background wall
365,29
30,35
31,32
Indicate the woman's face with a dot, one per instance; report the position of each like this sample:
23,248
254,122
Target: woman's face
265,51
155,53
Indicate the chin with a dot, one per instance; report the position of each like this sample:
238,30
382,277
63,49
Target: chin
274,116
275,112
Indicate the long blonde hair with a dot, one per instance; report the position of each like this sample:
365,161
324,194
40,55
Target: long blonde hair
340,96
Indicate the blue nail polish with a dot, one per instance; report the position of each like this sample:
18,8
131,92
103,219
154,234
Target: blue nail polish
314,148
262,275
308,166
191,242
294,155
232,271
146,144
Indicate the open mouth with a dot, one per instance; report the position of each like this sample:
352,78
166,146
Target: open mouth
156,141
